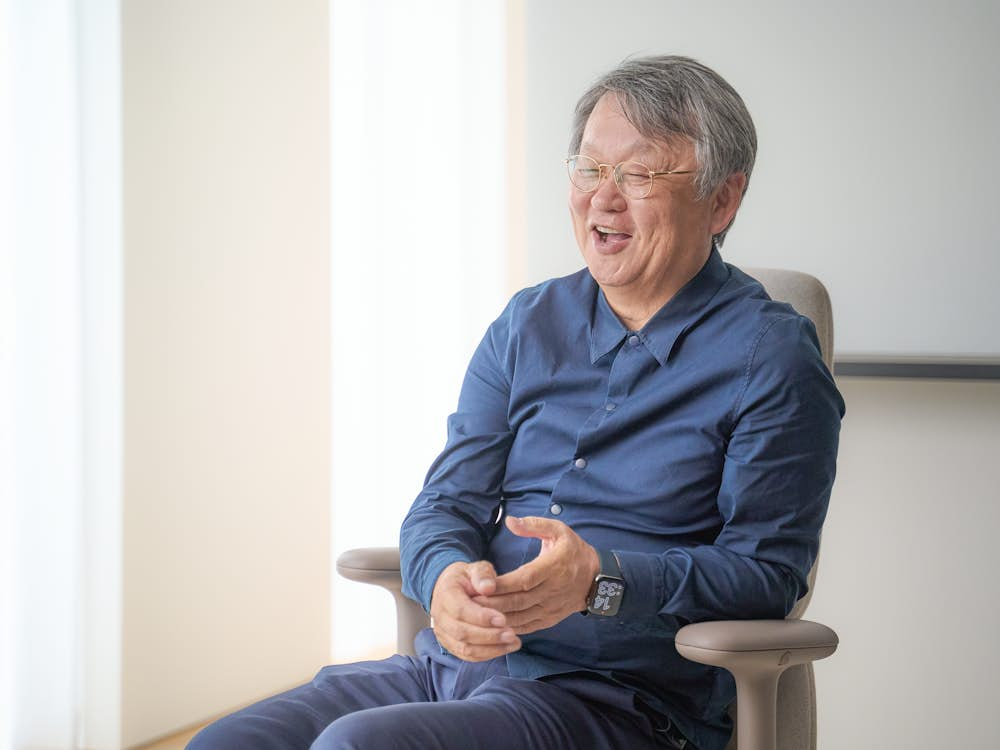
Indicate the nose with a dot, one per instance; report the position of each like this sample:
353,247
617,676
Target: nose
607,196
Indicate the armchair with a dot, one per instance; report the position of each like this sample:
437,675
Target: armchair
770,660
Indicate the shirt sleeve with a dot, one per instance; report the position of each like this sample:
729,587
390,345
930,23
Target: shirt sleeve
454,518
778,472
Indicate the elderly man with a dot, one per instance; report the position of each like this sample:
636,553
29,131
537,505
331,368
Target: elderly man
648,442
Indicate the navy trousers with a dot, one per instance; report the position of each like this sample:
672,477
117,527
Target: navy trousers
434,701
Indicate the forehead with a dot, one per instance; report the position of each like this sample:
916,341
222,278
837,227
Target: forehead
609,134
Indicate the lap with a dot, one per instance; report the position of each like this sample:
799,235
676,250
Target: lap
433,701
294,719
501,714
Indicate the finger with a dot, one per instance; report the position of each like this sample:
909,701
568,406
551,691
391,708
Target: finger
533,626
454,603
473,613
518,620
526,578
483,577
535,527
473,652
474,635
518,601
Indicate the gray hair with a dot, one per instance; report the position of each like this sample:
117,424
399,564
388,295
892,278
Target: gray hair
669,96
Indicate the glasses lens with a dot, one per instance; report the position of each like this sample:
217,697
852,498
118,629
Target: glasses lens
633,179
584,172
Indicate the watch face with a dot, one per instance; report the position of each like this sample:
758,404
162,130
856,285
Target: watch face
608,596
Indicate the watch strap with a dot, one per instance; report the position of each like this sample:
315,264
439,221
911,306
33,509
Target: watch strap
609,563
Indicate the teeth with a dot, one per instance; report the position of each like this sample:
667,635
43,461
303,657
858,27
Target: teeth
607,230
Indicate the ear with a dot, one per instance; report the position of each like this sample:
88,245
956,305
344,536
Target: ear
726,200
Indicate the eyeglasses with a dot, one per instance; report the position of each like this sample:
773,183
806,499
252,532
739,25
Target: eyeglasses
633,179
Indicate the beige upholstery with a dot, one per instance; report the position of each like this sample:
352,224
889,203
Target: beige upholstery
771,660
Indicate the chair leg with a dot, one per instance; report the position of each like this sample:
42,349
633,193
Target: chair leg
756,702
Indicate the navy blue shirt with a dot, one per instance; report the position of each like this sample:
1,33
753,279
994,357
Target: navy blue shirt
701,449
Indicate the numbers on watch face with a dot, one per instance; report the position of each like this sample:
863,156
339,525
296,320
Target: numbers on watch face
607,592
609,588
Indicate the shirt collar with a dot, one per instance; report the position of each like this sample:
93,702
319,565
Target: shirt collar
662,331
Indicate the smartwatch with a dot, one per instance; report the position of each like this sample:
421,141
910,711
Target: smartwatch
608,588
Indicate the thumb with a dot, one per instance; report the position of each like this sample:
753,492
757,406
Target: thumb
534,526
483,577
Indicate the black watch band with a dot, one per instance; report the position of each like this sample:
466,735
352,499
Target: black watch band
608,589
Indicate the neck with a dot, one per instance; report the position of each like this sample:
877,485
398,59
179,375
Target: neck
632,317
635,305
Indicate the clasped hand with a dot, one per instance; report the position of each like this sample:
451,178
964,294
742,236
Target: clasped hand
478,615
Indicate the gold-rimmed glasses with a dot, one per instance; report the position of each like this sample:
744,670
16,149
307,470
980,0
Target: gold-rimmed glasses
633,179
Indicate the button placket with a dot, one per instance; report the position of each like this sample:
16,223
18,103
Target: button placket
627,368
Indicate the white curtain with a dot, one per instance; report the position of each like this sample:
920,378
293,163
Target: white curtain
60,379
419,258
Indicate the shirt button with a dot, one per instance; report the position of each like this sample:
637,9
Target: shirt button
580,463
555,509
609,406
633,340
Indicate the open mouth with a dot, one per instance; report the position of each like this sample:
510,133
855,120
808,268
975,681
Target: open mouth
609,235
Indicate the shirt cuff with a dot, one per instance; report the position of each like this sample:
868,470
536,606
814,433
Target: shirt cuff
643,576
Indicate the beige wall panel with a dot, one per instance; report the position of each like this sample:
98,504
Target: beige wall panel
907,575
226,520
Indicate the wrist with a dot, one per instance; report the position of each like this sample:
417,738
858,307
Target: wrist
592,569
594,560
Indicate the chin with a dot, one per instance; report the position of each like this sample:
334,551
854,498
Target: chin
611,277
609,268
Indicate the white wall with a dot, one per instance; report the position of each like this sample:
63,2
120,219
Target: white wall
908,570
227,345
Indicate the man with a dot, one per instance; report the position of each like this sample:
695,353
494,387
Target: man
648,442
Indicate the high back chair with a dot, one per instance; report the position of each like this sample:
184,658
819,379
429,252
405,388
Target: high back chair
770,660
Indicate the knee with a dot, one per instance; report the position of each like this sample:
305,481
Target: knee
230,733
352,732
217,736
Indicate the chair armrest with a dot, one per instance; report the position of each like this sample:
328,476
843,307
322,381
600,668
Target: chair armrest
379,566
756,652
768,643
376,565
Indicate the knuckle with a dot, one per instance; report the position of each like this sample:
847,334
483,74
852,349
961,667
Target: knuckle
481,568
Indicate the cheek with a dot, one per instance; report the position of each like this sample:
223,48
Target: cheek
578,211
668,224
656,225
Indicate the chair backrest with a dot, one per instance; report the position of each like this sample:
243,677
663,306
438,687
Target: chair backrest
807,295
796,704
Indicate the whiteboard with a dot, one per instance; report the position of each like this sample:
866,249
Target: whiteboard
879,150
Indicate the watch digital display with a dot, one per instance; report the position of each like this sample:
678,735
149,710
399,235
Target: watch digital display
608,589
609,592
